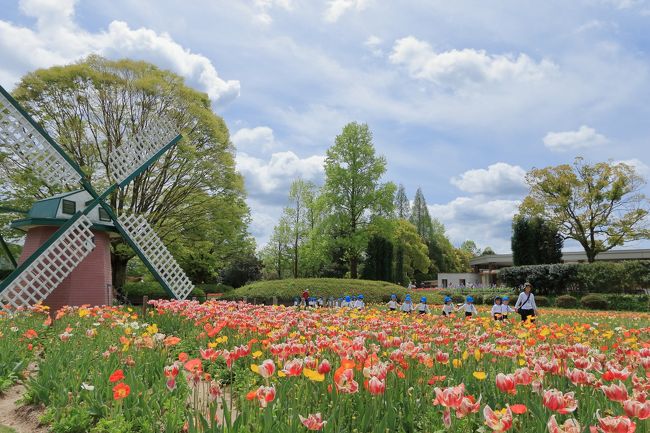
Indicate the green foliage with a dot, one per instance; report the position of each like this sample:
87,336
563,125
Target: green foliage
353,191
378,264
535,242
242,270
287,290
134,291
215,288
420,216
546,279
114,424
566,301
72,419
621,302
601,206
412,247
595,302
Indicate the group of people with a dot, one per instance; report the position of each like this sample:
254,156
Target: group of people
525,304
317,302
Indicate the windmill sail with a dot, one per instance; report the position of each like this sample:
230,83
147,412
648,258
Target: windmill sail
45,270
140,148
147,241
27,140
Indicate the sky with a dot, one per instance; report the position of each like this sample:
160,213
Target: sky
462,97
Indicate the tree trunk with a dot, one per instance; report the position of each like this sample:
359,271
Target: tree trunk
118,265
353,267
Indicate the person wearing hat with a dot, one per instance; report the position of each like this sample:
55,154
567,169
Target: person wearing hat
359,304
422,307
448,308
393,304
505,308
525,304
407,305
469,307
497,309
347,301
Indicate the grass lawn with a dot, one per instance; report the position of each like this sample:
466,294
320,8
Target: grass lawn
4,429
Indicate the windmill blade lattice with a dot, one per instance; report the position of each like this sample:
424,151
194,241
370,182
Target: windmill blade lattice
31,145
148,242
132,155
50,268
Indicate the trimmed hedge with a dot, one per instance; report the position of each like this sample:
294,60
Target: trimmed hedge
287,290
542,301
598,277
595,302
134,291
566,301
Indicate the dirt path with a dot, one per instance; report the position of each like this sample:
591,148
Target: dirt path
20,418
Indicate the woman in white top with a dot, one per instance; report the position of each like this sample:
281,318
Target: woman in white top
525,304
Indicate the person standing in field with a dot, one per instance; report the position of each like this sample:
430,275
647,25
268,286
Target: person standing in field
305,298
525,304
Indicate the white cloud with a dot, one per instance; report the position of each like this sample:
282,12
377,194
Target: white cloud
373,44
641,167
457,68
57,39
259,138
275,175
500,179
336,8
584,138
486,222
263,7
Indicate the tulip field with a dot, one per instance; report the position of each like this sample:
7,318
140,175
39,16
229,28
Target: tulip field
234,367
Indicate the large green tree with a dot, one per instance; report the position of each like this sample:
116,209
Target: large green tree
420,216
299,216
353,189
535,242
600,206
378,263
192,195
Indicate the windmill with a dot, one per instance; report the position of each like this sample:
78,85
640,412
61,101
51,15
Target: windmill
42,272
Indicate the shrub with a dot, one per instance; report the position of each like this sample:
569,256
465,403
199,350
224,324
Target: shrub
594,302
546,279
602,277
623,302
287,290
215,288
542,301
566,301
134,292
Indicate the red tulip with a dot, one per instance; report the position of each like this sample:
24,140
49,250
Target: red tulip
614,424
116,376
523,376
265,395
449,397
324,367
506,383
266,369
569,426
615,392
559,402
293,367
499,421
637,409
376,386
313,421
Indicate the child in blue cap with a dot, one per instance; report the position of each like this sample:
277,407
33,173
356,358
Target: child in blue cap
469,307
422,307
346,302
359,304
407,306
505,308
393,304
497,309
448,308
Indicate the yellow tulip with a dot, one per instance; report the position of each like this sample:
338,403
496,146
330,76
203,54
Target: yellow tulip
480,375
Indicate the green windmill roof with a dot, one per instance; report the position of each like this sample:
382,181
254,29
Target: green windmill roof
48,207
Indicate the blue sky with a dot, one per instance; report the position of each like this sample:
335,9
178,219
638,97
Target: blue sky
463,97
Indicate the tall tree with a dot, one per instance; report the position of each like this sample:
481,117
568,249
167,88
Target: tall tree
301,197
487,251
416,258
378,264
601,206
469,246
535,242
402,205
420,216
276,254
353,189
92,106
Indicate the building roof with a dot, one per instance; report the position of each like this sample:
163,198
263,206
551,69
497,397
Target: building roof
567,257
48,207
